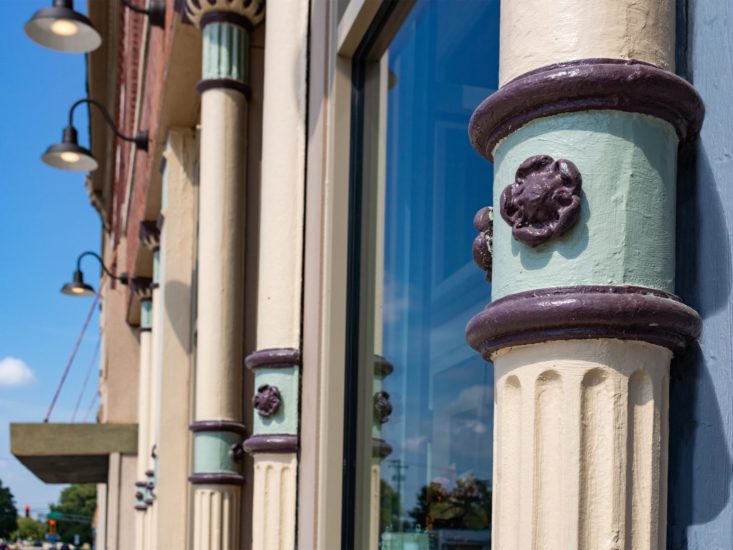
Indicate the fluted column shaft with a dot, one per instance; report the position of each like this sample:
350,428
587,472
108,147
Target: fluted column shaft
587,471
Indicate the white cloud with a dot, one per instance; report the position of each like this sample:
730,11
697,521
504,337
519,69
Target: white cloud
14,372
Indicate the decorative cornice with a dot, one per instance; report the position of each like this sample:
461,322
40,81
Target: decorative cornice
544,200
217,426
584,312
271,443
242,12
273,358
216,479
586,85
150,234
142,287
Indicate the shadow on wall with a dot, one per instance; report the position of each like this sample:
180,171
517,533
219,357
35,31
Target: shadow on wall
178,305
699,458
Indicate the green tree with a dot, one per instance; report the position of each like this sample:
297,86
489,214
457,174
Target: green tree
77,500
29,529
465,506
8,512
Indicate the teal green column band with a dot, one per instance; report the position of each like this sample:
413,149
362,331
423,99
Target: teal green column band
156,267
625,234
224,52
146,314
212,452
285,420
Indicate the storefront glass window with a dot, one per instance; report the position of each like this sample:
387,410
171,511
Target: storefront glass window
419,416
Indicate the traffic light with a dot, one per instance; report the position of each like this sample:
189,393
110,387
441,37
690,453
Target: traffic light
27,511
51,526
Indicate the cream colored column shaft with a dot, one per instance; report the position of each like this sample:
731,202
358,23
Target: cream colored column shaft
273,518
283,175
537,33
221,256
220,289
578,446
154,407
141,522
216,524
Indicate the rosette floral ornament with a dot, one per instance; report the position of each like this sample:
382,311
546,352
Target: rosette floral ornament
483,244
544,200
267,400
382,407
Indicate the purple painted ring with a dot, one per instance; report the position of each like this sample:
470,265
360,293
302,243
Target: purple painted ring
224,84
380,448
217,426
586,85
225,17
584,312
216,479
382,367
271,443
274,358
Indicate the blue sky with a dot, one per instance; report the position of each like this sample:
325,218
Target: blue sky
46,220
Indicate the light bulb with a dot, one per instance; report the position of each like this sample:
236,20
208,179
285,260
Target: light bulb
70,157
64,27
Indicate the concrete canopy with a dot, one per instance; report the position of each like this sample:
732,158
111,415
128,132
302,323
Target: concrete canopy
71,453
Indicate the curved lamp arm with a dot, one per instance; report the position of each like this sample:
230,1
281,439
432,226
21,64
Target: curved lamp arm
155,11
122,278
140,139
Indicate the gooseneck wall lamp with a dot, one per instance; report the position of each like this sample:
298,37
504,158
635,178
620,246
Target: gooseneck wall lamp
77,286
69,155
62,28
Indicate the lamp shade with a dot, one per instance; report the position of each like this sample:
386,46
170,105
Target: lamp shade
63,29
77,286
69,155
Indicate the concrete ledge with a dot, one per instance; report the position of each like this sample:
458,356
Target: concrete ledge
71,453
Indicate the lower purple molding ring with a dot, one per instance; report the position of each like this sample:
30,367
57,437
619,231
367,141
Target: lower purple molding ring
216,479
271,443
581,313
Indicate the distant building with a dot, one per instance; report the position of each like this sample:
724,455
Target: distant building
288,365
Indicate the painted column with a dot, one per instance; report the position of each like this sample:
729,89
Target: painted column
217,429
150,238
177,266
276,364
583,134
143,288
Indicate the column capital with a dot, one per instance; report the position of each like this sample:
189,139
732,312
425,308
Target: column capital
246,13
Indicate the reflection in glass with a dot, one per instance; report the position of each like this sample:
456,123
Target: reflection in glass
425,469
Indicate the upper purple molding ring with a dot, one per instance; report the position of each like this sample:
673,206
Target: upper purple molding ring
586,85
273,358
